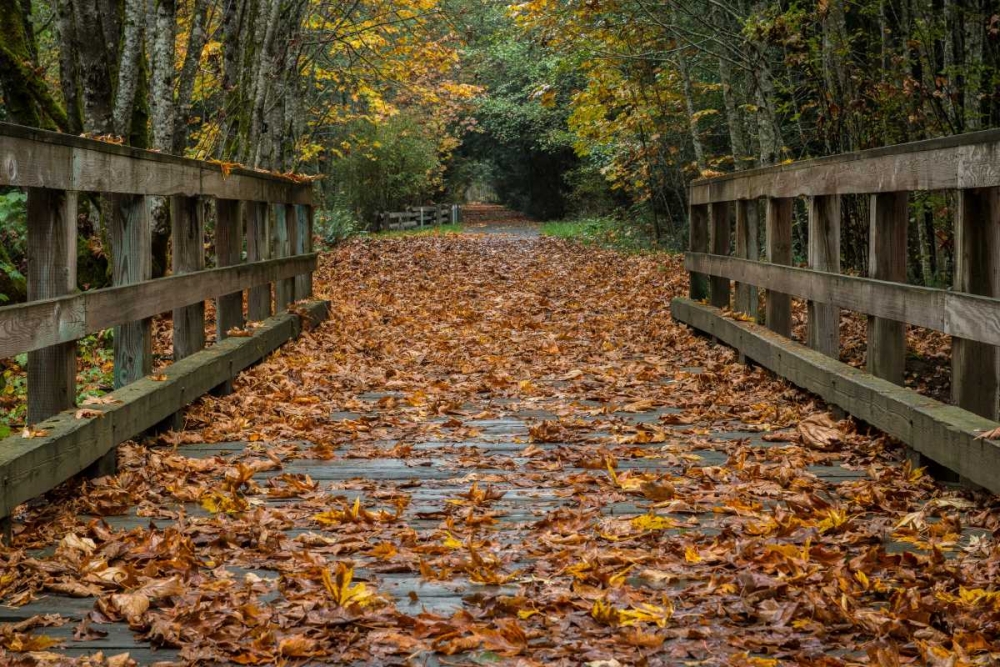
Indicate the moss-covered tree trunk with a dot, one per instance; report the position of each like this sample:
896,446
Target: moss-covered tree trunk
27,98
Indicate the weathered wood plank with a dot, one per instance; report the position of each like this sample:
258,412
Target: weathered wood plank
280,247
698,242
720,231
954,313
228,252
824,255
51,273
887,261
976,365
132,262
290,228
747,216
257,220
188,256
778,312
36,325
303,242
30,467
963,161
946,434
33,158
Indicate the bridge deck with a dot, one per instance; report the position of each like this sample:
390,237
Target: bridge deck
449,434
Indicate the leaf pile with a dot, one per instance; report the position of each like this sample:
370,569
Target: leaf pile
500,449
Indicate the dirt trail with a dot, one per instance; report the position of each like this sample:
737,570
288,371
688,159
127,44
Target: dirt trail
499,451
496,219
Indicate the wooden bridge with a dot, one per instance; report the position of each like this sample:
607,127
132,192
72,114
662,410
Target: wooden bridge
268,216
950,435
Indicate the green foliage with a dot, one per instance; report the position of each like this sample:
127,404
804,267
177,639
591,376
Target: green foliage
13,245
386,167
336,224
606,232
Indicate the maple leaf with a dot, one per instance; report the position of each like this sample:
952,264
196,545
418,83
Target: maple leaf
343,593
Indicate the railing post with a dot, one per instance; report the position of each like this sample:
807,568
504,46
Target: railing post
132,262
187,222
258,249
778,230
698,242
974,367
747,248
887,261
278,249
720,233
228,252
286,230
824,255
51,273
302,243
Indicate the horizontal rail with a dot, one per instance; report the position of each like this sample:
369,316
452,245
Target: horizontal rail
958,162
946,434
955,313
66,444
33,158
39,324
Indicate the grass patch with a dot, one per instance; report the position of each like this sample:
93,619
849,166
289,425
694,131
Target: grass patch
604,232
437,230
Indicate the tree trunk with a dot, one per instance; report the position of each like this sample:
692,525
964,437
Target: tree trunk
69,76
265,73
129,65
185,89
685,72
162,81
737,136
95,77
975,29
26,95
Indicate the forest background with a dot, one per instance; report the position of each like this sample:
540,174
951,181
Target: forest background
597,111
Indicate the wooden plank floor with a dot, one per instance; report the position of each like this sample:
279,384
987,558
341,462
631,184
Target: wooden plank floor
439,471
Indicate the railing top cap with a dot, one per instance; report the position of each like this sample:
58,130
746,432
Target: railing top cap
83,143
954,141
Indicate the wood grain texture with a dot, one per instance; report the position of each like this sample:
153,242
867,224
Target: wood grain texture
824,255
720,230
33,158
747,217
962,161
887,261
946,434
303,241
953,313
187,234
132,262
976,365
228,252
257,222
51,273
698,242
778,248
43,323
30,467
283,289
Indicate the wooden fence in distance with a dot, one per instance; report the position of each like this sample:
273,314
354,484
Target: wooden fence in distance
419,216
268,217
969,164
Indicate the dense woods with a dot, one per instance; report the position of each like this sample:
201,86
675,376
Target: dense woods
560,108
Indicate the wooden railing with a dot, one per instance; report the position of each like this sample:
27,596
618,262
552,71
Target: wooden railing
950,435
267,215
419,216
